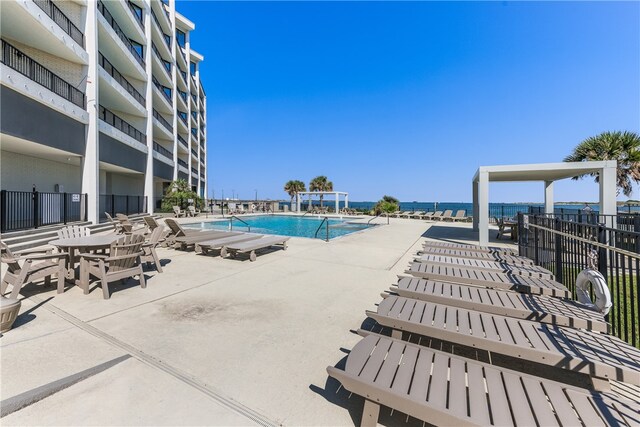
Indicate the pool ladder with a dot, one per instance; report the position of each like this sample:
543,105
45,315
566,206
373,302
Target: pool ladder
244,222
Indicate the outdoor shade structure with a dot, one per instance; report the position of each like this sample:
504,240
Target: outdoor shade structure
336,194
547,173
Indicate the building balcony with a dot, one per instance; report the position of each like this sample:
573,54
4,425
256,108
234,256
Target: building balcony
118,129
162,154
194,153
117,34
162,96
168,128
138,14
183,144
61,19
182,99
161,16
158,33
121,80
161,67
17,60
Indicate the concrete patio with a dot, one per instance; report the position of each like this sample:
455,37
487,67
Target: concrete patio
210,341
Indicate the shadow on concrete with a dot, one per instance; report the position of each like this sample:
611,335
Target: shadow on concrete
461,234
27,316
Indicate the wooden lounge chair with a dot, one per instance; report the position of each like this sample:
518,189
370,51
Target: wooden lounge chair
481,264
597,355
460,216
149,254
436,216
446,215
443,389
176,230
192,211
207,245
252,246
417,215
122,262
488,279
151,222
73,231
539,308
31,265
401,214
462,253
117,226
469,248
185,242
504,228
177,212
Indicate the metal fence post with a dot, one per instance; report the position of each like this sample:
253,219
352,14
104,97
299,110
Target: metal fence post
536,257
3,210
64,210
602,252
113,205
558,252
35,208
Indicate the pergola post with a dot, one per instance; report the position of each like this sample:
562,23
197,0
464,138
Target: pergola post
298,202
346,201
476,207
337,202
548,197
608,192
483,208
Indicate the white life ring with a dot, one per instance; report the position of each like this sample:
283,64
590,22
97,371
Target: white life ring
596,279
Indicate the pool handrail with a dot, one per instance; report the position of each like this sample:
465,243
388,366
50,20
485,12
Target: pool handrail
244,222
324,220
380,214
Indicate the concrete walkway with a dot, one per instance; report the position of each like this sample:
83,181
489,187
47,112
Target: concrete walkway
210,341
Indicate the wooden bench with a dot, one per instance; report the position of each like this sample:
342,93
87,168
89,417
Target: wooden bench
482,264
488,256
253,245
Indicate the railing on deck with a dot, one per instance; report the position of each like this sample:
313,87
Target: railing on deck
563,247
20,210
108,117
114,204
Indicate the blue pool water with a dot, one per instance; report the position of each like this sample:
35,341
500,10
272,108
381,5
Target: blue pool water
295,226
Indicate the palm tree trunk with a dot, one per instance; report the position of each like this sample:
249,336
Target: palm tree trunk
321,201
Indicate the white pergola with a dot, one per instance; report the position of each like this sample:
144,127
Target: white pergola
545,172
336,194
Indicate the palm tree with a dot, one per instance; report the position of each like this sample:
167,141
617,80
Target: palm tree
180,185
621,146
320,183
293,187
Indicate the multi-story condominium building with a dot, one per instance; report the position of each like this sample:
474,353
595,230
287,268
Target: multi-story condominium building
100,99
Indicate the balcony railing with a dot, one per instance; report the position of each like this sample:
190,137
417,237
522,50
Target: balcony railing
182,141
183,116
121,35
194,114
123,126
183,74
194,152
61,19
194,132
165,64
162,120
113,72
166,37
182,163
137,13
15,59
160,149
165,90
194,170
183,95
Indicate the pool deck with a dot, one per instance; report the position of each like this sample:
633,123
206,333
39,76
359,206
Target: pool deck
210,341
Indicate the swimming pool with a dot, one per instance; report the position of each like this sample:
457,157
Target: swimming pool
295,226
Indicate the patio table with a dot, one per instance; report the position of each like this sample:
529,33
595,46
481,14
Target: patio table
83,244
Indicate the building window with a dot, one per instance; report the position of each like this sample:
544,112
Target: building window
137,47
193,68
181,38
137,11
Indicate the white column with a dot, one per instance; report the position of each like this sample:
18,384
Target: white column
346,201
548,197
148,176
608,193
337,202
91,159
298,202
483,208
475,205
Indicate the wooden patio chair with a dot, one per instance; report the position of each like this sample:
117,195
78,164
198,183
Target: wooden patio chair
504,228
192,211
149,248
37,264
178,212
122,262
73,231
117,226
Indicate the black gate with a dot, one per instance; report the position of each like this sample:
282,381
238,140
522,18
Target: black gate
21,210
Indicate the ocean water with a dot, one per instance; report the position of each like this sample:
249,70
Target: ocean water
495,209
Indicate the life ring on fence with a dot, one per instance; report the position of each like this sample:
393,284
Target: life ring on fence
600,289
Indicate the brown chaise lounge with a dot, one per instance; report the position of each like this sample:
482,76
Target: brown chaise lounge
551,310
488,279
219,243
444,389
468,247
252,246
598,355
186,241
481,264
463,253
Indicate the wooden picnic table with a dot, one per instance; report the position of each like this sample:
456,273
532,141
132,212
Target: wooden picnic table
83,244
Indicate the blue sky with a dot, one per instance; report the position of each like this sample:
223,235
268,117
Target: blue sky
408,99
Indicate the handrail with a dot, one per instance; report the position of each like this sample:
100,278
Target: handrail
326,219
108,117
380,214
118,77
121,35
244,222
61,19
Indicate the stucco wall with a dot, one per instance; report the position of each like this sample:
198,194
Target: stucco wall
19,172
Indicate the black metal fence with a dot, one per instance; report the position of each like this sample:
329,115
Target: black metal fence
563,247
16,59
61,19
114,204
21,210
113,72
109,117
